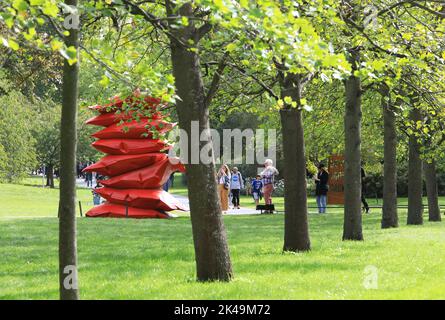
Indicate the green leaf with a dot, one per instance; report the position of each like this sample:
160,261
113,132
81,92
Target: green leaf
56,45
231,47
10,44
20,5
70,54
50,9
105,81
288,100
37,2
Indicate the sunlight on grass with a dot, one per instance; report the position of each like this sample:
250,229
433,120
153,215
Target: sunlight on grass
153,259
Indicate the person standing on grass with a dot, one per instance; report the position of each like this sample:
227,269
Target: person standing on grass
321,189
363,176
236,184
223,178
268,176
257,185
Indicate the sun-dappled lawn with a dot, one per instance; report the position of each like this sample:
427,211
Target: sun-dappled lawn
153,259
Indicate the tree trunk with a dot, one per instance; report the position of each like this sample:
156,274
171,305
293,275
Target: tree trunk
431,191
296,229
389,210
415,205
352,228
209,235
50,176
67,199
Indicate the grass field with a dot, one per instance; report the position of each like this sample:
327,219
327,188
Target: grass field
153,259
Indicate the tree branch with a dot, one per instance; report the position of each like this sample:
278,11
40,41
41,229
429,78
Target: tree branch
216,80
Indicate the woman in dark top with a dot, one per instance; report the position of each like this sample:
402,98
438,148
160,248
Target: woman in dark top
321,189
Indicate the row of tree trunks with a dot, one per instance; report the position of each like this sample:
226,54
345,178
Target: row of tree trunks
389,210
352,228
415,205
296,229
68,283
209,235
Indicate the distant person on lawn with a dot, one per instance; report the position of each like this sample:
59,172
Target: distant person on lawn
365,203
236,184
223,178
321,188
257,185
268,176
89,179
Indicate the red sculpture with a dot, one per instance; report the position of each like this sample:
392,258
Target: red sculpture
134,163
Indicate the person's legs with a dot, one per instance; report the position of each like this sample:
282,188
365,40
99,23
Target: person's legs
318,198
225,197
233,198
236,198
365,203
267,194
268,189
323,202
256,197
222,192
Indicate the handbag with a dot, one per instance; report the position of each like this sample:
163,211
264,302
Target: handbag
226,183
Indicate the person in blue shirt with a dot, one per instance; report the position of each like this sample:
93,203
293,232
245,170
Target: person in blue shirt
257,185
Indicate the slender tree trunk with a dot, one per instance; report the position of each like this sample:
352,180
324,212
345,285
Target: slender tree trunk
352,229
389,212
67,200
209,235
431,190
296,229
50,176
415,184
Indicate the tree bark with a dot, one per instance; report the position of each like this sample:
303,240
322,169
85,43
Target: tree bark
67,199
431,190
50,176
352,228
389,210
296,229
209,235
415,205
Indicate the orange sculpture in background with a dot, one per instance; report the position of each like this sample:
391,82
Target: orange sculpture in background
336,171
135,162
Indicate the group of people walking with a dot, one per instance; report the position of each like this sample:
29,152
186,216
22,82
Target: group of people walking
230,182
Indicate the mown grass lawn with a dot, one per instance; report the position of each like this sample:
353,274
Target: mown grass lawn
153,259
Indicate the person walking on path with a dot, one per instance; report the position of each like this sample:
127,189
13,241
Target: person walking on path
223,178
268,176
89,179
321,188
257,185
365,203
236,184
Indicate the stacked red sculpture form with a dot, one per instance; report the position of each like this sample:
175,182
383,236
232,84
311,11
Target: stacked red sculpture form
135,164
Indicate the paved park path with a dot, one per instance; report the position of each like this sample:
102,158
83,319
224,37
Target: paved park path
184,201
